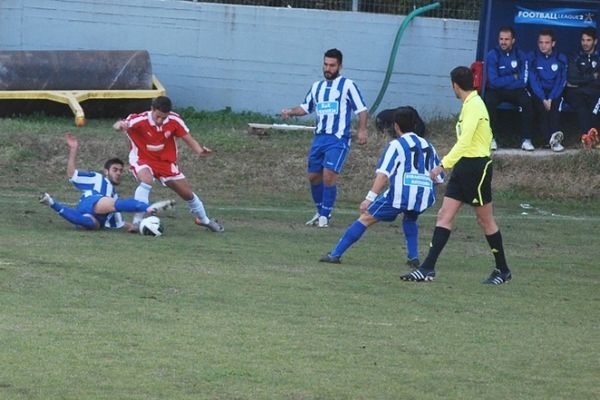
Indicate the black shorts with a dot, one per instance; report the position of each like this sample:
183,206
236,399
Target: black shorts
471,181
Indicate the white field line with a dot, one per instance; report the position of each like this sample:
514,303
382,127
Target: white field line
532,214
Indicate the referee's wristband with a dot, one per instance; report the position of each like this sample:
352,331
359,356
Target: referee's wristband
371,196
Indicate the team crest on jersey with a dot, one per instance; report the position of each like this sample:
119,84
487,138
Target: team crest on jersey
168,134
514,63
554,67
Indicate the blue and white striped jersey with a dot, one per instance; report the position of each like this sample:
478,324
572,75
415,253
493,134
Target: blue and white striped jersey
90,183
407,161
334,101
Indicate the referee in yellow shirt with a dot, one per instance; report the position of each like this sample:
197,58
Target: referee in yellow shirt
470,182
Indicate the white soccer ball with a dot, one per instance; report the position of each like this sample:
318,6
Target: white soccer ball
151,226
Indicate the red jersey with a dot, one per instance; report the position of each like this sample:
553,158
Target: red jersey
149,142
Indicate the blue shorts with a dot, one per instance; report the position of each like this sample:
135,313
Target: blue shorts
86,206
329,152
382,210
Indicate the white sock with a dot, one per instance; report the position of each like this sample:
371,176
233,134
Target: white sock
197,208
142,193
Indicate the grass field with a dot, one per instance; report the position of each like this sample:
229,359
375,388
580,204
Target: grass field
251,314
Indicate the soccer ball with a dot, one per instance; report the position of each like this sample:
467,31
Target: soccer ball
151,226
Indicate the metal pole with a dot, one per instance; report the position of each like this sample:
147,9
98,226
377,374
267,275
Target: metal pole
354,5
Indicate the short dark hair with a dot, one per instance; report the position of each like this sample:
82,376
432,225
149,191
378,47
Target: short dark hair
590,32
463,77
162,103
406,119
111,162
507,29
334,53
547,32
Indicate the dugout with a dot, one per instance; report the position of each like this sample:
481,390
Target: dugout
527,17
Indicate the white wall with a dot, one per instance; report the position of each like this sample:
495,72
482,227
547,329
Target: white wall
212,56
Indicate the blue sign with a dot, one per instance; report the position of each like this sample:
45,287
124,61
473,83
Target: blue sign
419,180
571,17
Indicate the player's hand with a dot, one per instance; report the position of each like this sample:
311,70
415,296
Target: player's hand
364,206
547,104
120,125
434,173
362,137
71,140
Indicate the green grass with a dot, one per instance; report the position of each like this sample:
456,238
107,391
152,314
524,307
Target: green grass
251,314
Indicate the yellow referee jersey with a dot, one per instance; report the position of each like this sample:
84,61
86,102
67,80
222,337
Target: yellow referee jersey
473,132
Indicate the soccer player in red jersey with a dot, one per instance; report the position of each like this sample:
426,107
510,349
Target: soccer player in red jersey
153,155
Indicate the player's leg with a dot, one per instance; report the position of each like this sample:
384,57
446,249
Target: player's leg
74,216
492,100
316,191
411,235
315,177
145,177
457,192
576,99
107,205
352,235
195,205
523,99
335,158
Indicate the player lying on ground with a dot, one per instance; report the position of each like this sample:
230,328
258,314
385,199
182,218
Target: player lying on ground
405,164
99,205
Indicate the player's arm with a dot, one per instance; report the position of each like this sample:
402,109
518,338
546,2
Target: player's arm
73,144
195,146
379,183
362,127
121,125
293,112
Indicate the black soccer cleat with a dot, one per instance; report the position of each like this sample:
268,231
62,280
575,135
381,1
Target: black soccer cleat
418,275
497,277
328,258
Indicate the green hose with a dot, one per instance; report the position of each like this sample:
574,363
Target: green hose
390,67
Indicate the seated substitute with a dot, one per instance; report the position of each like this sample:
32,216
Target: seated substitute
583,81
507,74
99,205
405,164
547,80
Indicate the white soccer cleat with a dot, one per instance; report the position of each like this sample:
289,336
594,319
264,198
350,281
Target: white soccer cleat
313,221
323,222
555,141
527,145
160,206
213,225
494,145
46,199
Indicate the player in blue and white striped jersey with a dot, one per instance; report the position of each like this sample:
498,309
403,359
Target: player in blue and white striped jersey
99,205
334,100
405,165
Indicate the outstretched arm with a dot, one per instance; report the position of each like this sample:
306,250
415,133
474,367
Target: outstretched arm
292,112
72,143
195,146
378,184
120,125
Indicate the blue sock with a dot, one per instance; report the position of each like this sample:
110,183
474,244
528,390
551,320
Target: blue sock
317,195
411,234
56,206
77,218
329,195
351,236
130,205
